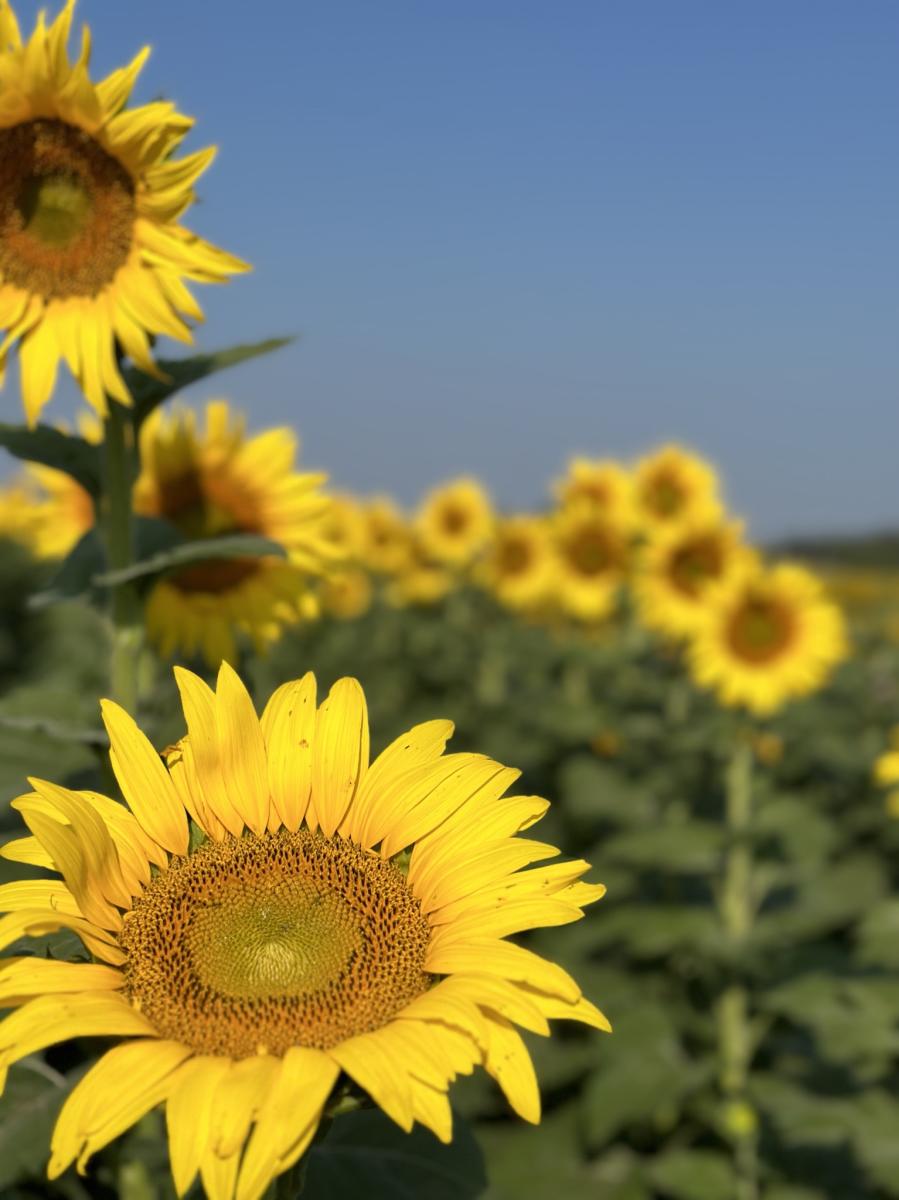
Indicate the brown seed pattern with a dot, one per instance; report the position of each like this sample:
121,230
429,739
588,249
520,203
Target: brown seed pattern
288,939
67,210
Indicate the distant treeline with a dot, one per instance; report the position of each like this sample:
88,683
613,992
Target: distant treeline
858,550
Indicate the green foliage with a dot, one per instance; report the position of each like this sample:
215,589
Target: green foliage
366,1154
53,448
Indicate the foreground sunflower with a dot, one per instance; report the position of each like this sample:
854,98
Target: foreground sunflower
455,522
768,635
679,567
92,255
213,481
271,911
672,485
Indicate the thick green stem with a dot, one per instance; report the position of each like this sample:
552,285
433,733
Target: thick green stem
119,531
735,1038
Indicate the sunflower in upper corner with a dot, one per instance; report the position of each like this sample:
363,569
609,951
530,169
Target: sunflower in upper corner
769,635
672,485
92,255
272,911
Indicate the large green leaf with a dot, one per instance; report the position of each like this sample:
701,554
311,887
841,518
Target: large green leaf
52,448
149,393
366,1154
694,1175
234,545
28,1109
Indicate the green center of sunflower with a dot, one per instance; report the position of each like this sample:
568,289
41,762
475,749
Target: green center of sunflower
67,210
760,629
288,939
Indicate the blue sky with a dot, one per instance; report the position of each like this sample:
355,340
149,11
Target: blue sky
510,230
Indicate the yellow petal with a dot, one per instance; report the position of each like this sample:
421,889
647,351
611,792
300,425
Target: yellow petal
340,755
144,781
198,701
29,851
241,750
288,1118
122,1087
441,883
51,1019
502,996
23,979
488,956
418,748
39,358
431,1107
508,1061
36,922
288,726
560,1010
378,1072
238,1098
501,920
38,893
188,1115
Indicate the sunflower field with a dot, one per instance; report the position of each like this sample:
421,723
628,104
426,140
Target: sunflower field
634,935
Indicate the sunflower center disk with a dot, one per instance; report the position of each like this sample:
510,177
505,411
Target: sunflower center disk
760,630
67,210
694,565
289,939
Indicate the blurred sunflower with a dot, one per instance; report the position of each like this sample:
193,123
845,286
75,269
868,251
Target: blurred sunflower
421,582
455,522
520,566
593,556
886,774
387,545
679,566
672,485
218,481
20,513
91,252
271,911
344,527
346,593
768,636
600,483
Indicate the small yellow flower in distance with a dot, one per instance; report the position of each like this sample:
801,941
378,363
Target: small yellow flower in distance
455,522
218,481
602,484
422,582
607,743
679,566
21,513
672,485
769,636
593,558
886,773
271,911
92,255
344,527
388,544
520,565
347,593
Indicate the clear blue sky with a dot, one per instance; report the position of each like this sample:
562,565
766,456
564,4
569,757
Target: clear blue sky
508,230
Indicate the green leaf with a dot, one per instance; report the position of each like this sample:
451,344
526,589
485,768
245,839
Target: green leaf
148,393
234,545
691,847
52,448
76,572
694,1175
366,1154
28,1109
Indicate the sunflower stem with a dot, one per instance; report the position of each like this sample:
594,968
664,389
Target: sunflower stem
119,530
734,1031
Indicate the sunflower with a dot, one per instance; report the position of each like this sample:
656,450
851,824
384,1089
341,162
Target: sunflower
602,484
218,481
767,636
92,257
679,566
344,526
520,564
593,555
387,541
455,522
672,485
421,582
271,912
21,515
347,593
